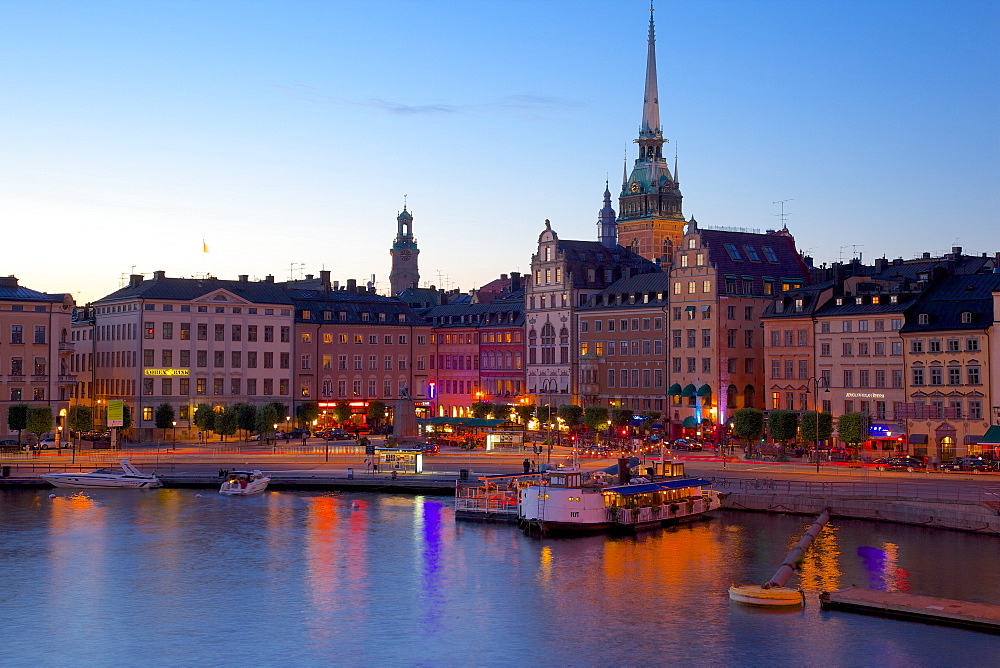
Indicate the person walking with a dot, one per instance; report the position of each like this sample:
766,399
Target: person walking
527,465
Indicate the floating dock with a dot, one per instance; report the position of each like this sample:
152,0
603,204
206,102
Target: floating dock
902,605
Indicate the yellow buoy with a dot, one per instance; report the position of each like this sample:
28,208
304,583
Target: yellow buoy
772,597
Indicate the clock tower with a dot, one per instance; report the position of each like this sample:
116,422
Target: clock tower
404,253
650,219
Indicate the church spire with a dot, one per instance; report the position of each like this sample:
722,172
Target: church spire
651,100
607,224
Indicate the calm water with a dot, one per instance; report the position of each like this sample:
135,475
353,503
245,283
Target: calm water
162,576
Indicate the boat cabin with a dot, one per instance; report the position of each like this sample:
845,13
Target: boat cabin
566,479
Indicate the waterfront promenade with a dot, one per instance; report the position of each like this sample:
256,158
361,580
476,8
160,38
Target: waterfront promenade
967,502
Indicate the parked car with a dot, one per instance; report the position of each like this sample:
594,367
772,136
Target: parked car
8,445
338,435
900,464
973,464
299,433
429,448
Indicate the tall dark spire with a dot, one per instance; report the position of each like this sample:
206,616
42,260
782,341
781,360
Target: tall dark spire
651,101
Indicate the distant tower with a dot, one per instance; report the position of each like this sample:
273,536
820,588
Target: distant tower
404,253
607,225
650,219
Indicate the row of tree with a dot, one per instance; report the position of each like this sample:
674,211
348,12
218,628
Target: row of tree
595,418
786,426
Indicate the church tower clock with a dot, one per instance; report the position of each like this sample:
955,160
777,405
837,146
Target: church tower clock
404,253
650,219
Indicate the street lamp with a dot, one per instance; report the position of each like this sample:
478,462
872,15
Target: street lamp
175,435
815,382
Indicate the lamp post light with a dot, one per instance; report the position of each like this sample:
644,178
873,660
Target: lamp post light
175,435
816,382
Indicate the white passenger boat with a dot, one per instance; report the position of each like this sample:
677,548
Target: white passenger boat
244,483
575,502
127,476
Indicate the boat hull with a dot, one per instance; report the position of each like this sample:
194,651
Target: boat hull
255,487
775,597
87,482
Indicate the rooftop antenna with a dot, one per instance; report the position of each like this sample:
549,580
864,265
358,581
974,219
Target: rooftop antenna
295,268
854,251
783,216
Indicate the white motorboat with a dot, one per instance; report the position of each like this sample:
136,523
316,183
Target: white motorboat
127,476
244,483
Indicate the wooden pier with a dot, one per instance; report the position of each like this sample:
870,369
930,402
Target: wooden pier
902,605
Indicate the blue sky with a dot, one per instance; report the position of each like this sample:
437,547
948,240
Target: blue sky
289,132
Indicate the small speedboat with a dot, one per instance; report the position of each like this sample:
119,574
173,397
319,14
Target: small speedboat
244,483
127,476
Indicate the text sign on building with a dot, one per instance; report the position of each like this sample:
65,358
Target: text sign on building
166,372
116,413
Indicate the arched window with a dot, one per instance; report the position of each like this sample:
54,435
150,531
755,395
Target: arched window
532,346
748,396
731,396
564,346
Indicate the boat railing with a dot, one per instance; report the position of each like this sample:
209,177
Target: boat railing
644,514
494,495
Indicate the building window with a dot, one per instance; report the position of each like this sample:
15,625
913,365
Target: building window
936,376
973,375
918,376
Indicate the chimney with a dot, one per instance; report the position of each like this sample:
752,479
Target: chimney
244,278
880,263
956,252
352,285
898,262
309,277
157,275
324,277
336,285
925,256
269,278
134,280
515,281
11,281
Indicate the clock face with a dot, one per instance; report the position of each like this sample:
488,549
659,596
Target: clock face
635,187
404,255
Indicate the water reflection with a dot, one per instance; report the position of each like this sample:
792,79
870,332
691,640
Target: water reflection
325,578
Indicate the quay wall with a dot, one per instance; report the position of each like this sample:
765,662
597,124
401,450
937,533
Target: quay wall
977,518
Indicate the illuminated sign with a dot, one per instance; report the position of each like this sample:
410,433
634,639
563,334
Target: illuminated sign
116,413
431,390
864,395
166,372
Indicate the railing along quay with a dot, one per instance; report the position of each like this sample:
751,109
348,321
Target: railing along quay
925,491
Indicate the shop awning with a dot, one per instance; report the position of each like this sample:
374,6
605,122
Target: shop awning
704,391
689,423
689,308
689,390
991,437
657,486
674,390
918,439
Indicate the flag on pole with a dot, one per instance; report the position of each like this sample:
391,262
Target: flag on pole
204,246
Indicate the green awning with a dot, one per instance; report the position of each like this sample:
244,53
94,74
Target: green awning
689,391
689,423
704,391
992,436
674,390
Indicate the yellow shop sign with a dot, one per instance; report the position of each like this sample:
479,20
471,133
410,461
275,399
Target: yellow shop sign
166,372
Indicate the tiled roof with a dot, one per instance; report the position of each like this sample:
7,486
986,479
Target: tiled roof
810,296
186,289
965,264
476,315
656,283
945,302
849,306
19,293
776,256
357,306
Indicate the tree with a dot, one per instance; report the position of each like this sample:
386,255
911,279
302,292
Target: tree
620,418
809,426
80,418
341,412
783,425
306,413
225,423
39,420
126,417
17,419
524,413
163,417
748,424
571,415
376,413
266,418
481,409
502,411
596,419
849,428
246,417
648,418
204,417
281,410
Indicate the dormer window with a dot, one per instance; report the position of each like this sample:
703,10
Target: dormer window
840,301
966,317
692,243
734,253
924,319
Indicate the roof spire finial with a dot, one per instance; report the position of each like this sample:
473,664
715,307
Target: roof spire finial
404,201
651,101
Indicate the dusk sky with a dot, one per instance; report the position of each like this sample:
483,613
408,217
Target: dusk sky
290,132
